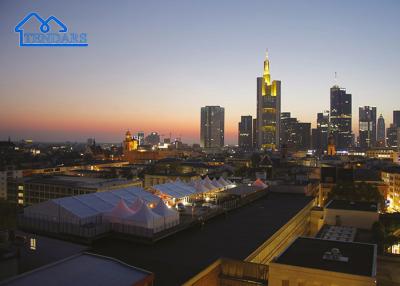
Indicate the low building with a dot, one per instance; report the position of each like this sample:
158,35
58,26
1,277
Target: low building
312,261
348,213
36,189
84,269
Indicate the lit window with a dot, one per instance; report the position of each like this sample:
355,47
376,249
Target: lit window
20,202
20,188
33,243
20,195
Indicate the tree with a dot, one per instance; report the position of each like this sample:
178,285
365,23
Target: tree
255,160
357,192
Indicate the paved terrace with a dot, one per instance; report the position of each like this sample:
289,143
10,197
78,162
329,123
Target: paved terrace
177,258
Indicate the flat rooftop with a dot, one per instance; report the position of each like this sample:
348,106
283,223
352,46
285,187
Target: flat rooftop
82,269
176,259
309,252
352,206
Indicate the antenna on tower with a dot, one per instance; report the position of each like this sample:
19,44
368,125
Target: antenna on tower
336,78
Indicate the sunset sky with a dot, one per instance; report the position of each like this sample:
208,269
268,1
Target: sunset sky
151,65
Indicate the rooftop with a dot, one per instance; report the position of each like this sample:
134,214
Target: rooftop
177,258
309,252
83,269
352,206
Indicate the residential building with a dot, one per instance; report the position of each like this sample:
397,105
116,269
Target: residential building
268,110
212,127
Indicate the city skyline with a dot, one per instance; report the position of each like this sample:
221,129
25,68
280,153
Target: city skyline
130,79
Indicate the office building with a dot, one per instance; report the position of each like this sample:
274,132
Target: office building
140,138
212,127
152,139
7,174
340,117
367,126
391,136
294,135
245,134
320,134
396,118
255,133
381,132
268,110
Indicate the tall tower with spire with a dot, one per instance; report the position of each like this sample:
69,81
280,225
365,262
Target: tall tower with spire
268,109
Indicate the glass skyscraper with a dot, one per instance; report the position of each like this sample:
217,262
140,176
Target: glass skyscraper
340,116
212,127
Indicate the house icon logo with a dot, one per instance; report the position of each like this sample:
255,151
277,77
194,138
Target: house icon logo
50,32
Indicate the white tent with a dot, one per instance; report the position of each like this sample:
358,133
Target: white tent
171,217
120,212
223,182
200,188
217,184
209,186
146,218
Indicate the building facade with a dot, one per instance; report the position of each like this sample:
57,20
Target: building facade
212,127
340,118
245,134
268,110
367,126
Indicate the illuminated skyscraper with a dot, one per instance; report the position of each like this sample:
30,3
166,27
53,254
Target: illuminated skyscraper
268,110
367,126
212,127
340,116
381,134
245,134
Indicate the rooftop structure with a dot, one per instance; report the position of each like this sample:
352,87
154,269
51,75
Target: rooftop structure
333,256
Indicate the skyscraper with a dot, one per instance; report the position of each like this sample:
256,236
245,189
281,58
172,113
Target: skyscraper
340,115
245,133
212,127
140,137
367,126
381,134
295,135
320,134
255,132
396,118
268,110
